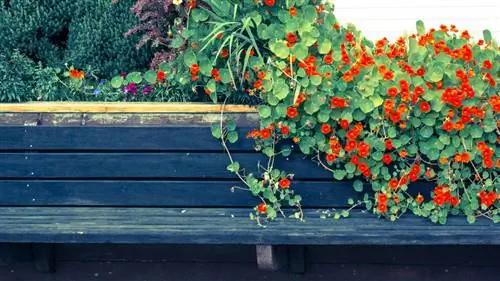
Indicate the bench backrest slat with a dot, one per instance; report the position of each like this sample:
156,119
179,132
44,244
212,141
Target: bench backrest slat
162,161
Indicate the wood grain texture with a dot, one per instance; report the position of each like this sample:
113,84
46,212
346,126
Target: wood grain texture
123,119
180,138
229,226
203,165
113,107
185,193
271,258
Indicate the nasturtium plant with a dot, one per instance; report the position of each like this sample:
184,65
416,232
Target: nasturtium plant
385,115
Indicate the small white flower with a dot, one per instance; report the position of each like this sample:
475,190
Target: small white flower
177,2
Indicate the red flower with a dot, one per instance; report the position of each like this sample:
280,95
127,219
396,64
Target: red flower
291,38
425,107
194,69
160,76
292,11
363,149
269,3
265,133
392,92
389,75
76,74
454,201
284,183
355,160
338,102
352,134
438,200
261,75
363,168
285,130
262,208
382,198
350,145
447,126
395,117
258,84
388,145
292,112
215,74
325,129
487,64
420,72
328,59
387,159
419,198
344,124
330,158
349,37
393,183
488,198
382,208
413,176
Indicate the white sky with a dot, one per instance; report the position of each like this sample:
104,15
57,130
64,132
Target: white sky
393,18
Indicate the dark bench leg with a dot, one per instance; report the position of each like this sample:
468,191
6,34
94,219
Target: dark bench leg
44,255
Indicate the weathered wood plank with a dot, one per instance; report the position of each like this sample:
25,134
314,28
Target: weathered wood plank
123,119
331,194
229,226
143,165
142,107
171,138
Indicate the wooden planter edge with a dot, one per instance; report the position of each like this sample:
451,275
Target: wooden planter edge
121,107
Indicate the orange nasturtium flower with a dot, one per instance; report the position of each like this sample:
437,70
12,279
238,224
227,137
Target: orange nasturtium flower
76,74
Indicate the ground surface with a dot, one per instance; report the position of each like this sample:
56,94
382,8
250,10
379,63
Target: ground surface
237,263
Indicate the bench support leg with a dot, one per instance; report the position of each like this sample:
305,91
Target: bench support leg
44,255
271,258
296,259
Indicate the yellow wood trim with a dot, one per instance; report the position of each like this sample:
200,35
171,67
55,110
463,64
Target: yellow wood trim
122,107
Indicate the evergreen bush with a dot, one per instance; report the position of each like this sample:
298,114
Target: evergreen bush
80,32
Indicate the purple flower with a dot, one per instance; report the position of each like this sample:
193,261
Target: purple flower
131,88
147,90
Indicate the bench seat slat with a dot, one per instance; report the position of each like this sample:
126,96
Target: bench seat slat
228,226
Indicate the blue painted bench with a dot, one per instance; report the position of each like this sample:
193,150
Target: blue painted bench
161,178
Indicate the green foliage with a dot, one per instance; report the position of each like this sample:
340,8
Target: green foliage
16,72
97,39
423,108
79,32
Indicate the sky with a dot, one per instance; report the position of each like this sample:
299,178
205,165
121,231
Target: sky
393,18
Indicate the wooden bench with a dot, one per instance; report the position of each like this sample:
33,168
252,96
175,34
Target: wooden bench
162,178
